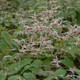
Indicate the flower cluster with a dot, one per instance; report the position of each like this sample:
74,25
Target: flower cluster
46,32
45,29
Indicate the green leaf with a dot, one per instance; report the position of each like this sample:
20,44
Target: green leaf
14,68
71,50
3,46
37,63
29,76
75,79
34,67
58,73
16,77
78,71
2,76
6,37
67,63
41,72
47,64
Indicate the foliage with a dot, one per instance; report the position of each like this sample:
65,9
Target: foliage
70,10
39,40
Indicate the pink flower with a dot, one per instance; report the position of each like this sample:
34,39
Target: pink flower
42,19
75,44
8,56
55,35
42,8
33,18
41,38
38,51
61,38
73,70
30,28
41,27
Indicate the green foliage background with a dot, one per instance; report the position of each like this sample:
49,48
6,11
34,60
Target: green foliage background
23,66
